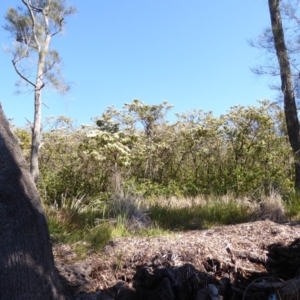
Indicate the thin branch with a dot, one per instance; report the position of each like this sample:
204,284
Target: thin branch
20,74
43,85
30,124
36,9
48,68
60,27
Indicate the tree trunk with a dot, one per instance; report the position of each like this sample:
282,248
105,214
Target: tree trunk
39,85
36,136
27,268
287,87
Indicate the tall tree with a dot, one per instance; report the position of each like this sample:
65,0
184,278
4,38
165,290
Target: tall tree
32,28
26,260
149,116
281,42
287,84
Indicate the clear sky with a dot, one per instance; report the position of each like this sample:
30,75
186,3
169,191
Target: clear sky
192,53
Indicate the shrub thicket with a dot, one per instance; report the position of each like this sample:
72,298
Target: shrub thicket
244,152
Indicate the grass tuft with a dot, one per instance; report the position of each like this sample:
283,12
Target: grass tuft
75,221
129,212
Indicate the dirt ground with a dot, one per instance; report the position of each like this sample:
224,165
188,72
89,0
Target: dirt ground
236,253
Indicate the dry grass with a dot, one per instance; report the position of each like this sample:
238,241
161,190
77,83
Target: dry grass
271,207
268,204
204,212
130,213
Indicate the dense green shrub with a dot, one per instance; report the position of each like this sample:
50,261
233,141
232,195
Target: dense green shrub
244,152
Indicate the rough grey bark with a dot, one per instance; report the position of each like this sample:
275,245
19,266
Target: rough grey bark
287,86
26,261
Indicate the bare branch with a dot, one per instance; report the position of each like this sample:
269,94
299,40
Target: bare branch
36,9
60,27
21,75
30,124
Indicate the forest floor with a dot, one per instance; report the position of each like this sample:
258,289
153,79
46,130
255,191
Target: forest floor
235,255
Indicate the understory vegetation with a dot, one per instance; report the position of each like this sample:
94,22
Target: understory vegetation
132,172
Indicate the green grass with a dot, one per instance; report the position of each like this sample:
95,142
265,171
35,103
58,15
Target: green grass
293,206
200,216
96,236
76,222
90,226
94,224
56,227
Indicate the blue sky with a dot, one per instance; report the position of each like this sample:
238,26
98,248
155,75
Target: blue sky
192,53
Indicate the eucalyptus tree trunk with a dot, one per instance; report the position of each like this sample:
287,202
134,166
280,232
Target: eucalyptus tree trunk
36,128
36,137
26,261
287,86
